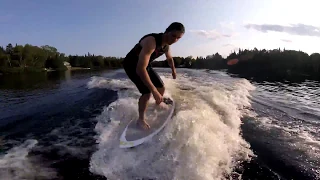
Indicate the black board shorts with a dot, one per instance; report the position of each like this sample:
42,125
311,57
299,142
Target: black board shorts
130,69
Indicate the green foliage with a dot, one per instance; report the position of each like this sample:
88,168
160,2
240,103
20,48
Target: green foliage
27,58
266,64
269,64
277,64
19,58
92,61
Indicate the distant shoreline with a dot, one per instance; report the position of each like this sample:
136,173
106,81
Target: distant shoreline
79,68
68,69
21,70
273,65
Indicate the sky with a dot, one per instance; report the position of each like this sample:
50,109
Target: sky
113,27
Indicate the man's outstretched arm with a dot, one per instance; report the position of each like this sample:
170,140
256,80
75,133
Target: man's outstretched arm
171,63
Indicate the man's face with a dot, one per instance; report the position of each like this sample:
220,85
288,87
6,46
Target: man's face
174,36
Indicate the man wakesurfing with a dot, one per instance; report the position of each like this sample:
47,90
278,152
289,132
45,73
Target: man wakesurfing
137,66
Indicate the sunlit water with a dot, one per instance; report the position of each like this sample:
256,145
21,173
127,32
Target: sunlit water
223,128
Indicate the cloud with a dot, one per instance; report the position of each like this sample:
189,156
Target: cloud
212,34
286,40
229,25
228,45
215,34
294,29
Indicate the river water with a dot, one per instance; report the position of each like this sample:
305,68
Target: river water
67,126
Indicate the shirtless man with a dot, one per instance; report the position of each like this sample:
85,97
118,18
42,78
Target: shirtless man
137,65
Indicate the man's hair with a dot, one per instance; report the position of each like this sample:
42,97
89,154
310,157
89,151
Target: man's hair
175,26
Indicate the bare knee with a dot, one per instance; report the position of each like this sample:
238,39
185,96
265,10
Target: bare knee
161,90
145,97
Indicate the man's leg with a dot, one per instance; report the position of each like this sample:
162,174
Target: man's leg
143,104
161,90
144,98
156,80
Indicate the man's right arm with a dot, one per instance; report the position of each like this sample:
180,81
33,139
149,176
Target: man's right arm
148,46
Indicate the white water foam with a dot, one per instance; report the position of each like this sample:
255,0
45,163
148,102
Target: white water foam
17,165
203,140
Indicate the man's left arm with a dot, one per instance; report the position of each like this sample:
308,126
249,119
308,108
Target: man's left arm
171,62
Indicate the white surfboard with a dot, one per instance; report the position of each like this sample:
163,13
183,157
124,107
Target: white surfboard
157,117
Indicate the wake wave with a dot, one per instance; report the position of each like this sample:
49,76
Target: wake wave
202,141
16,164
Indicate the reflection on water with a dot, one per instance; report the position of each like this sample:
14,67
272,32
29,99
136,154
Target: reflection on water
31,81
303,96
30,92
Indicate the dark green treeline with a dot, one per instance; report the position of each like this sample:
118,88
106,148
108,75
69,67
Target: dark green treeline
267,64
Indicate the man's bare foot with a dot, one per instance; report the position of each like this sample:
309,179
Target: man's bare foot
143,124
